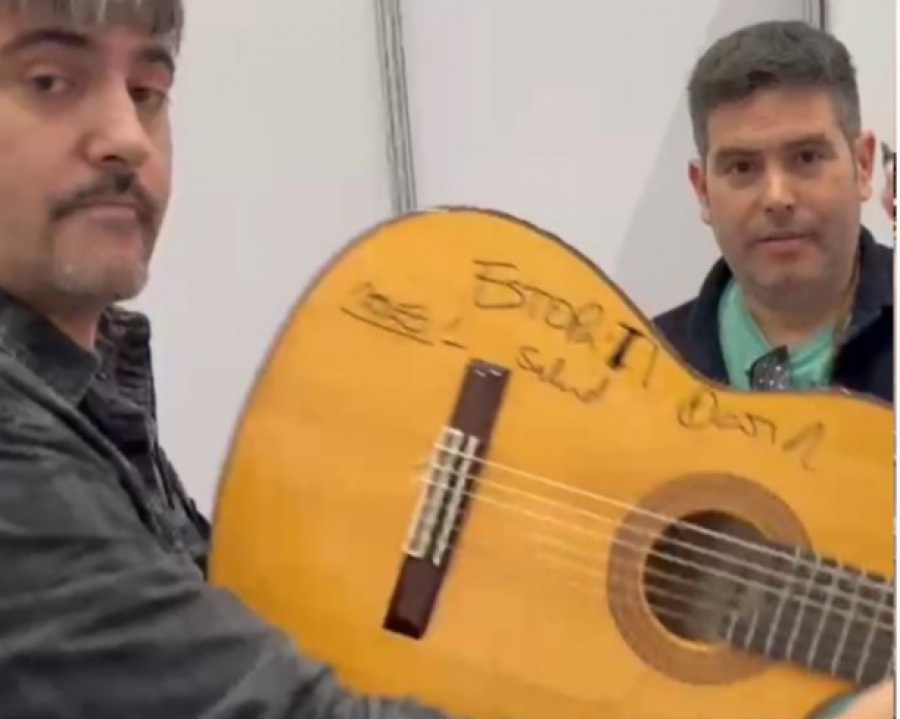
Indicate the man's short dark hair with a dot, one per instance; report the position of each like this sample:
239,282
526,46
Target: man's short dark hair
887,155
161,18
770,55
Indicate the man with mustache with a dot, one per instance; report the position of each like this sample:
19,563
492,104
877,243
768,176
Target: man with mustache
104,608
104,611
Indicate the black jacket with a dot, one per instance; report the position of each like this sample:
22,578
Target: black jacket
865,359
104,610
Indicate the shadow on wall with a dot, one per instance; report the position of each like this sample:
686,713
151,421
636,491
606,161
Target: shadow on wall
649,258
638,269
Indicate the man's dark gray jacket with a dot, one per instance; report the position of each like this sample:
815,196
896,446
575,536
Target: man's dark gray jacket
104,608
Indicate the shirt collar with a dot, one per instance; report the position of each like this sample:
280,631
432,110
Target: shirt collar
874,293
44,350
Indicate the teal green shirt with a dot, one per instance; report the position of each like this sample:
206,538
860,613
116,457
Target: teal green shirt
810,366
743,343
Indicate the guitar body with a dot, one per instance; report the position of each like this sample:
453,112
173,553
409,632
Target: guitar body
546,545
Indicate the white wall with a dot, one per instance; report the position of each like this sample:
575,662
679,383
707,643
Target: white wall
572,114
280,159
567,112
868,29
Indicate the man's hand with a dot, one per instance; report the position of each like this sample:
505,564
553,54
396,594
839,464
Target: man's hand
877,703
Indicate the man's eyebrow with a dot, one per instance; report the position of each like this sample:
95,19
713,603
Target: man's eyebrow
158,55
814,138
728,153
44,36
152,55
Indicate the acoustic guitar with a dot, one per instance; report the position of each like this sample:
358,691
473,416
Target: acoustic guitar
473,473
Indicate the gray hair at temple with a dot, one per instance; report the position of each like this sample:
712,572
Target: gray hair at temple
163,19
776,53
887,154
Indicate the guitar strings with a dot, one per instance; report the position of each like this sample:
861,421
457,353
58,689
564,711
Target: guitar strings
644,533
816,568
847,648
858,653
861,650
851,615
659,519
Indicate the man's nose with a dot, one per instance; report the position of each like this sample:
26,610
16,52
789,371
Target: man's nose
778,193
117,134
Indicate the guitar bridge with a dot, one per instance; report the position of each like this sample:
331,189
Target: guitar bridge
449,484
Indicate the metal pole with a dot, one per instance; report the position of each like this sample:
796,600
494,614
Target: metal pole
392,64
816,13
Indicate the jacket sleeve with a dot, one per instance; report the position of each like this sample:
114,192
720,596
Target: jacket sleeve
96,620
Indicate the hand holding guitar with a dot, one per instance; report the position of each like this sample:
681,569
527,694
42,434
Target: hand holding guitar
877,703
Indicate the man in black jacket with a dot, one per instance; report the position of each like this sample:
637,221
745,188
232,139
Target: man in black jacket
104,608
803,296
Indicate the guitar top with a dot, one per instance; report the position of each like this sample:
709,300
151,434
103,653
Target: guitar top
472,472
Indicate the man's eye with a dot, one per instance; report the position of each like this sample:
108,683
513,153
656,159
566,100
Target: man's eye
808,157
48,84
740,167
149,97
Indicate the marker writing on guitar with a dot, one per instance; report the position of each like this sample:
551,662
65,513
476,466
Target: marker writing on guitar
703,410
406,319
498,287
553,371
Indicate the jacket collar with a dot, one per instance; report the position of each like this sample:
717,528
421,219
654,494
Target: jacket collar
46,352
874,293
123,349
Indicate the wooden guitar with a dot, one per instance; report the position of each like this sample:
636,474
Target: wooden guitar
472,472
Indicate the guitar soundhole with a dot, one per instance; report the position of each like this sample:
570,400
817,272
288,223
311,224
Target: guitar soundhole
689,580
674,591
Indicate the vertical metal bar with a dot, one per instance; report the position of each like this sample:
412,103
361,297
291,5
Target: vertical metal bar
816,13
403,114
392,65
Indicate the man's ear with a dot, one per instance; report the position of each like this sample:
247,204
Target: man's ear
697,176
865,150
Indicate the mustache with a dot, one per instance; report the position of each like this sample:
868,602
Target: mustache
116,185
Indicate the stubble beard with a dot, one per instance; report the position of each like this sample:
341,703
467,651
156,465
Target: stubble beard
93,281
99,287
